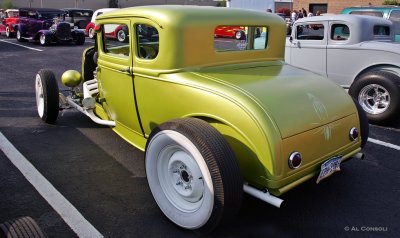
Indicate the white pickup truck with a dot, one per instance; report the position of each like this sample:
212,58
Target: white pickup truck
357,52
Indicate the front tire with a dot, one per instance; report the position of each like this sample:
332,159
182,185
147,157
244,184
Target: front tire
121,36
80,40
9,34
378,93
239,35
47,96
44,40
19,36
91,33
193,174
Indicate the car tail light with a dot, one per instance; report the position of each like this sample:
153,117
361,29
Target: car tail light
353,134
295,160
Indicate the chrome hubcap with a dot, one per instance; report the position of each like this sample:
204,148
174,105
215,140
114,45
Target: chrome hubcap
374,99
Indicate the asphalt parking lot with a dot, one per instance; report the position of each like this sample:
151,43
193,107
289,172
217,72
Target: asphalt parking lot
97,185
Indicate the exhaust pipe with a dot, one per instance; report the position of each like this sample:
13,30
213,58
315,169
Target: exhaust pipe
264,196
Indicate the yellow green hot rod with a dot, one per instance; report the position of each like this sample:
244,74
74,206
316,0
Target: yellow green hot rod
216,117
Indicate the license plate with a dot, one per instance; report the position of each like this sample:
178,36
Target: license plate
329,167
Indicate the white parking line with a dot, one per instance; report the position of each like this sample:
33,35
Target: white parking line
20,45
392,146
62,206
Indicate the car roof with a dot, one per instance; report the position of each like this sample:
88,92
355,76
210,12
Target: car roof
346,17
77,9
42,10
185,14
374,7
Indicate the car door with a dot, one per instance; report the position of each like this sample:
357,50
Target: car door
115,77
307,46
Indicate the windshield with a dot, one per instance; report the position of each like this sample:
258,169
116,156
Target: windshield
12,14
50,15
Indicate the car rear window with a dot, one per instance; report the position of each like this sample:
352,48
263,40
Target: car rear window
368,13
340,32
380,30
240,38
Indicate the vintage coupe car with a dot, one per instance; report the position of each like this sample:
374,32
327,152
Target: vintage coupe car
358,53
214,120
77,17
391,13
90,27
46,25
10,21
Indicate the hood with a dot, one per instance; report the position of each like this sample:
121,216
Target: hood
295,99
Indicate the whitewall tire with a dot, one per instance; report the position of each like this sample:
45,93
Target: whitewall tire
193,174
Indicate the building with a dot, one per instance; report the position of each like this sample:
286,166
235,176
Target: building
331,6
324,6
96,4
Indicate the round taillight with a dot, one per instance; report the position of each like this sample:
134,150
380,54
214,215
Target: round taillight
353,134
295,160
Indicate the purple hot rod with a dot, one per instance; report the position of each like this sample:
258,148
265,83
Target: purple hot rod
46,25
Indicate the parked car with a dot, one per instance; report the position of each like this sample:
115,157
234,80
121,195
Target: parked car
391,13
11,19
77,17
117,32
358,53
213,120
90,27
237,32
46,25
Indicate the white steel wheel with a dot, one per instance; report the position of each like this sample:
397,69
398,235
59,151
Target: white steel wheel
19,36
91,33
239,35
374,99
121,36
43,39
8,32
193,174
47,96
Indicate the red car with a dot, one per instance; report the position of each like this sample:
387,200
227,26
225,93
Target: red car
237,32
90,27
118,32
10,21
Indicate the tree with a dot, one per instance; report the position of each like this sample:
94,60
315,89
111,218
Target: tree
391,2
7,4
112,3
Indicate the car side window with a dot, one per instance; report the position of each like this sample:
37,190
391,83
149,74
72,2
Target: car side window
310,32
147,40
340,32
116,39
395,18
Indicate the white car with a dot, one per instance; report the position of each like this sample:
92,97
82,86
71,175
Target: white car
357,52
90,27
